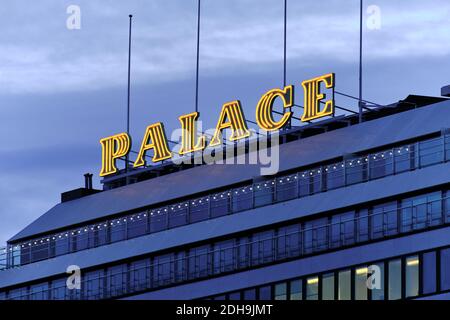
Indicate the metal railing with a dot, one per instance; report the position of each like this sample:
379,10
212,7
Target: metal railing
301,184
277,248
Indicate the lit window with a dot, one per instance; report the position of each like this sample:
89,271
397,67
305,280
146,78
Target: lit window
412,276
328,286
296,290
344,279
361,283
312,288
280,291
395,279
377,281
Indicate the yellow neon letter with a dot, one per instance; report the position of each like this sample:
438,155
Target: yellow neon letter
155,134
112,148
189,133
313,97
231,117
265,106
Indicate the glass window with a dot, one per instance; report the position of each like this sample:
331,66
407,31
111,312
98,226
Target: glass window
361,283
335,176
58,291
93,285
40,251
118,230
430,152
344,282
434,208
18,294
281,291
286,188
429,272
97,236
158,220
310,182
180,266
377,281
223,256
137,225
363,225
312,288
412,276
262,247
243,252
356,170
445,269
304,184
264,193
199,210
447,146
328,286
343,229
395,280
296,290
242,198
178,215
315,235
289,241
404,158
39,291
447,205
421,211
25,254
381,164
198,262
117,280
140,275
234,296
265,293
250,294
384,219
80,239
60,244
220,204
163,269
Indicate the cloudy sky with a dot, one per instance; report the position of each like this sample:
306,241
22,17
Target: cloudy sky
62,90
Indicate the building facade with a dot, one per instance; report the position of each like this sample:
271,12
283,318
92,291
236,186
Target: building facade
350,198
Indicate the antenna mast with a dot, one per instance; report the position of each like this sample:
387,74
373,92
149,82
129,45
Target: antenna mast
360,101
198,56
128,91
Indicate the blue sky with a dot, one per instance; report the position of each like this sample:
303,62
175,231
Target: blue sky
62,90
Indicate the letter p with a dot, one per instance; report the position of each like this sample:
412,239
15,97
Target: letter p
113,148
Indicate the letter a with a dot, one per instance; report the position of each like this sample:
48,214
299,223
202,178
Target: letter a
154,138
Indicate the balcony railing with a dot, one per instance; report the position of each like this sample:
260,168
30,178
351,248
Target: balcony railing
130,279
297,185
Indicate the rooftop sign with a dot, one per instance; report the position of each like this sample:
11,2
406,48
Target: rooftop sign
231,117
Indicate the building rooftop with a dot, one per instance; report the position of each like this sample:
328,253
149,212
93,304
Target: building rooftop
304,147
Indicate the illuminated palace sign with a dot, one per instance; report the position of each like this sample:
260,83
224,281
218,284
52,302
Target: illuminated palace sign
231,117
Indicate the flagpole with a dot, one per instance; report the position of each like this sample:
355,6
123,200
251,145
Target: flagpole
198,56
360,102
129,78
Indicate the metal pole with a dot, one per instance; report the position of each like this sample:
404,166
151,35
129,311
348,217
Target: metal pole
198,56
285,55
285,40
360,60
128,94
